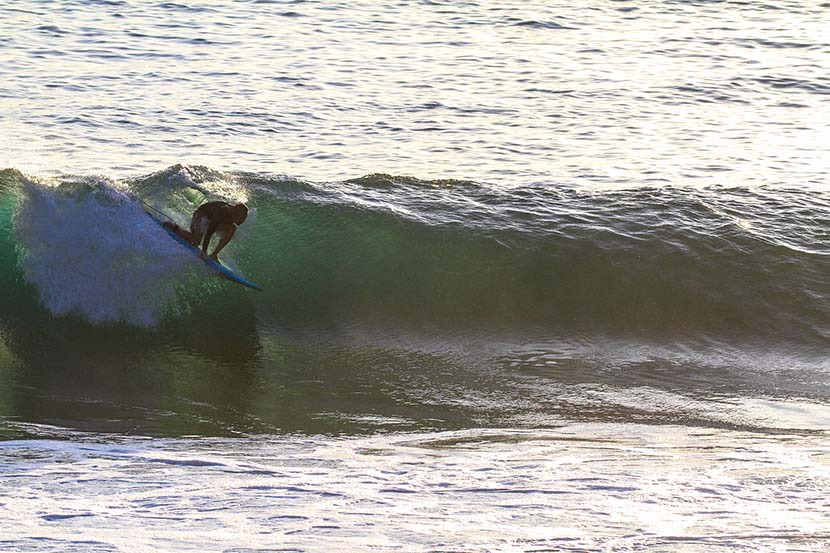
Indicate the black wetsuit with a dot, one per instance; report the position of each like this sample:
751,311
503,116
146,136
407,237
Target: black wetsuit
217,214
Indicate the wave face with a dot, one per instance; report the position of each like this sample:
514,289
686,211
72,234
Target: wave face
664,264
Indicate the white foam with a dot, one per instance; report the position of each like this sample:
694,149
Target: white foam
90,250
586,487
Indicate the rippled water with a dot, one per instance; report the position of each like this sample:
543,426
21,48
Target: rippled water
618,92
580,488
539,276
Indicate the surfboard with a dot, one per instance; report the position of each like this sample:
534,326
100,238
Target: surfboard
213,264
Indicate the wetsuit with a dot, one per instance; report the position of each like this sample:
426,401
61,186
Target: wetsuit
207,219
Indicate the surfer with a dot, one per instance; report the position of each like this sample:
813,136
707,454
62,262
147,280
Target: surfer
221,218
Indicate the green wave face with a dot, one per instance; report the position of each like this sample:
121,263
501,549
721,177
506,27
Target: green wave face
416,254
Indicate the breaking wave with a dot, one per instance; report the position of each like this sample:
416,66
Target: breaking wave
665,264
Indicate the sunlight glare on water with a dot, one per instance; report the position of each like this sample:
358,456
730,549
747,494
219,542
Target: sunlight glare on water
577,488
653,93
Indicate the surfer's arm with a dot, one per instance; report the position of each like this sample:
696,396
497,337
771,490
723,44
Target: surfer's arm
226,237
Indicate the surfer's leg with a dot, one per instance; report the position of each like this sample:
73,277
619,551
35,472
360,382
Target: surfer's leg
198,227
189,236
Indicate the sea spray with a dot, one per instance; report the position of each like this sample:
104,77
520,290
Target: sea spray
90,250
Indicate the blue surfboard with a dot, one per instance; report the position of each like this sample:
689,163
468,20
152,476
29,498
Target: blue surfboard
213,264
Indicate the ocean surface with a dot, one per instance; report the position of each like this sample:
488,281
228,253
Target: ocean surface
538,276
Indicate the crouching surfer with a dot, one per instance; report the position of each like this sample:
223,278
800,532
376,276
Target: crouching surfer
212,218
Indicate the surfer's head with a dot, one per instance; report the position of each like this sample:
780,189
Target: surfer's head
239,212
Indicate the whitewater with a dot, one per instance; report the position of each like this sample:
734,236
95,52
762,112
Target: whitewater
537,276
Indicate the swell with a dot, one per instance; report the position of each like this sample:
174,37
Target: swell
670,265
